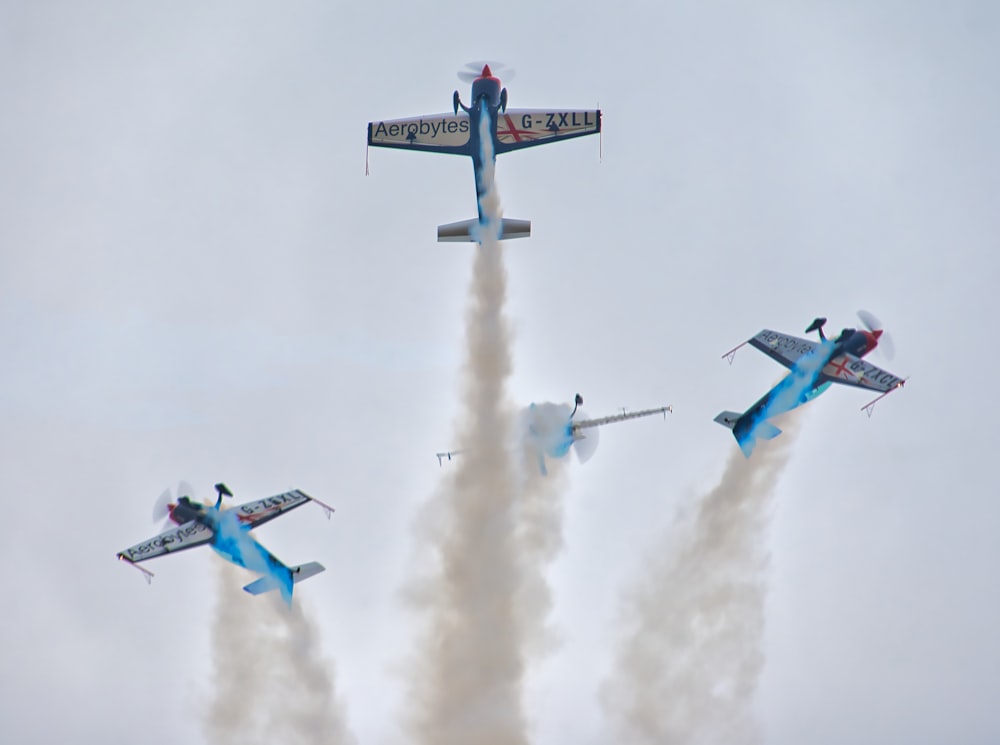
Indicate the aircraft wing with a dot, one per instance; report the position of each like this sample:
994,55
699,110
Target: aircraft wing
625,415
448,455
190,534
783,348
435,133
264,510
518,128
850,370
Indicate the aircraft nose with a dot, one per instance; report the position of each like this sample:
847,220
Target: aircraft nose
877,333
487,73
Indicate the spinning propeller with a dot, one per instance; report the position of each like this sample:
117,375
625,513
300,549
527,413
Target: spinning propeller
587,445
473,70
875,326
161,507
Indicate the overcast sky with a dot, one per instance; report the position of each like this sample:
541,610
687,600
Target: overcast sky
198,282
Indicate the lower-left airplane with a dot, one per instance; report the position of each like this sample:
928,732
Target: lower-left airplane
228,532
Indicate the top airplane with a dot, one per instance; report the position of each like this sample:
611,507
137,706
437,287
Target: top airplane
460,134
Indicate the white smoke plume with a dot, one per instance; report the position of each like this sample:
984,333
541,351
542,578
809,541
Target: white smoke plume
688,666
486,531
467,681
271,682
539,538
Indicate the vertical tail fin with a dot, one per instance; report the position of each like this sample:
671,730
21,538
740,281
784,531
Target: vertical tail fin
747,439
541,464
281,581
746,435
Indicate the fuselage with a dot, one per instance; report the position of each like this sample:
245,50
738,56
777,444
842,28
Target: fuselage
231,539
549,429
488,99
856,342
488,88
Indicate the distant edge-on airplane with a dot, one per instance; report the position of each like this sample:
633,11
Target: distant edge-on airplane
554,439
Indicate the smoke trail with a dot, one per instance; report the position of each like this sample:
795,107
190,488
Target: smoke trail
467,683
688,667
270,680
543,428
543,431
237,679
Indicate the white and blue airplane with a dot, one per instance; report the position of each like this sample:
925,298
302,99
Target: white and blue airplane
814,367
550,430
228,533
459,134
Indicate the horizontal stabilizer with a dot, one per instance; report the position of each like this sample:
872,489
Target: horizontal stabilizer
262,585
305,571
467,231
299,573
766,431
728,418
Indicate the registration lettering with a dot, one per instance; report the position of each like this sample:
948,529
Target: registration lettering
272,503
873,376
556,121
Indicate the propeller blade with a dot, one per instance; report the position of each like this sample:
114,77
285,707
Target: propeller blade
586,446
161,507
473,70
184,489
869,320
872,323
886,346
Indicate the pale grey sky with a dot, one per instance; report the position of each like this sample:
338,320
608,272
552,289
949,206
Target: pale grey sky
197,281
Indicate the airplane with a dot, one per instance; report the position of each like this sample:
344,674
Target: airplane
462,133
548,431
814,368
228,532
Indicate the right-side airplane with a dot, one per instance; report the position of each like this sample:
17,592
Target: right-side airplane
548,431
460,134
814,368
